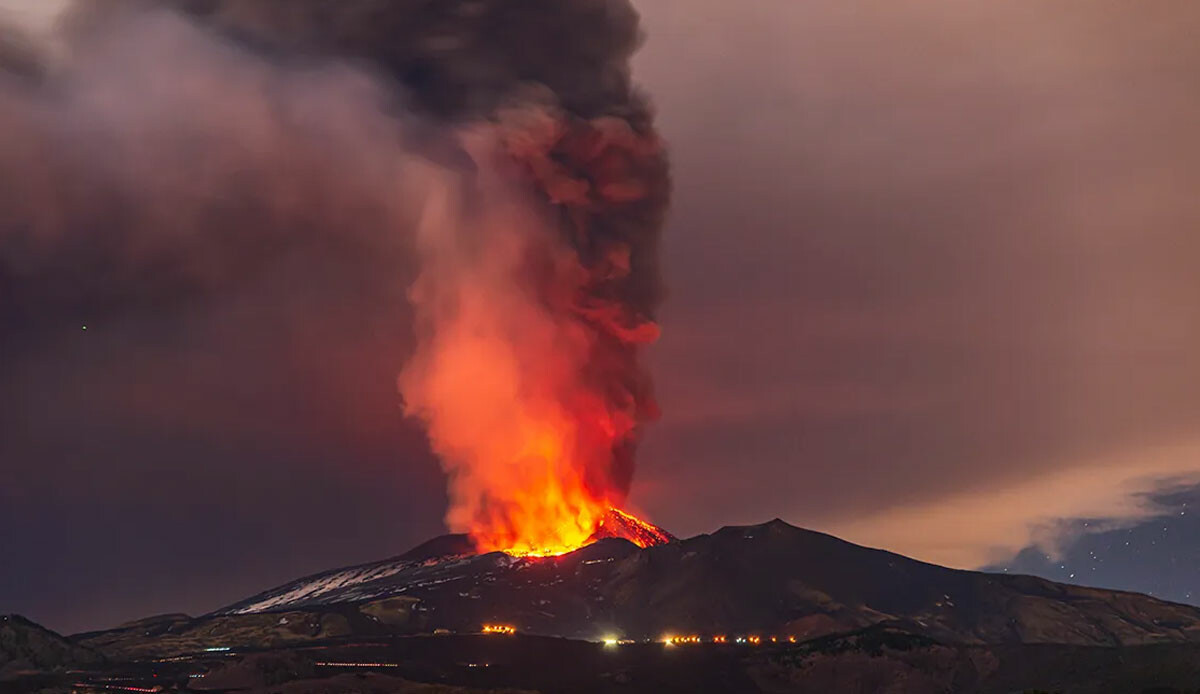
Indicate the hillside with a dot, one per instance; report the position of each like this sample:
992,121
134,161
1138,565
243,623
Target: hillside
26,646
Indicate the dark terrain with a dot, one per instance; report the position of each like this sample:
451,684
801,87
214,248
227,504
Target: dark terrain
768,579
878,659
28,647
798,612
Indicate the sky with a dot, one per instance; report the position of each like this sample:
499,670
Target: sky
931,262
1158,557
931,288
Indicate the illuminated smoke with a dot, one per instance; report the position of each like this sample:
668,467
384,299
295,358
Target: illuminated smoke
537,246
539,275
527,370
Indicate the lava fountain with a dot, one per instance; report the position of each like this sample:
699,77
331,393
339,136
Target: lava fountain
536,299
532,316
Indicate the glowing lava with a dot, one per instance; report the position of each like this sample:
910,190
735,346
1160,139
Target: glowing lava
534,305
613,523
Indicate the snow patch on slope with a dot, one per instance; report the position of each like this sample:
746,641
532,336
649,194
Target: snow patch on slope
307,590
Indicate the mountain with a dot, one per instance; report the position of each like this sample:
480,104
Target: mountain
765,580
26,646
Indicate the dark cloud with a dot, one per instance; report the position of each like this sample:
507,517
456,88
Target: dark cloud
204,258
19,57
459,58
554,79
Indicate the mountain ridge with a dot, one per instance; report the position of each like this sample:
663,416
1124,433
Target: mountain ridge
771,579
27,645
805,581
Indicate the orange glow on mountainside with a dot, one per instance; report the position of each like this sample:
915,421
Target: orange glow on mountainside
569,537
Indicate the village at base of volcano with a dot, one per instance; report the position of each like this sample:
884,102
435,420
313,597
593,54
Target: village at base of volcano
468,346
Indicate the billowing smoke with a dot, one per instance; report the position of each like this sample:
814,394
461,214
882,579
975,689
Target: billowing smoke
498,147
532,314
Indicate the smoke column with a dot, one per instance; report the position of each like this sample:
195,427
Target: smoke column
532,313
536,242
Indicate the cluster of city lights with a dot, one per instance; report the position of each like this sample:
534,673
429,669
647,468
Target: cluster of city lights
498,629
668,640
671,640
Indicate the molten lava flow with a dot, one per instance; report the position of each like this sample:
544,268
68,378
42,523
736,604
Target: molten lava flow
626,526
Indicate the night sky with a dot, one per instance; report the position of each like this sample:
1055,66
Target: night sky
931,273
1158,557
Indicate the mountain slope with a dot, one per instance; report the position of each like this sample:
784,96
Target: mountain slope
767,579
25,645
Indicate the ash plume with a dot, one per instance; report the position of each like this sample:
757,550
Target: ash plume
494,154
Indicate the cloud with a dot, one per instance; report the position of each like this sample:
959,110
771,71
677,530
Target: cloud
922,255
975,528
233,234
36,16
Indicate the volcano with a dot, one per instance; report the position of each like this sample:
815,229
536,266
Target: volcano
763,580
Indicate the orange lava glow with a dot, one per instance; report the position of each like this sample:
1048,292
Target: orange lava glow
618,523
527,371
570,536
548,508
527,439
557,518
